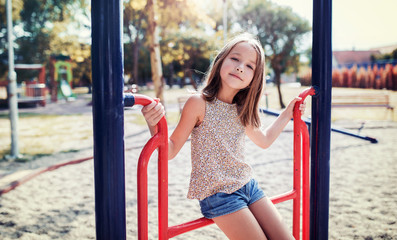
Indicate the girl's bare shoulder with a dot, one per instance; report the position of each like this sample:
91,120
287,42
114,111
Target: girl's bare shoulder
196,99
195,105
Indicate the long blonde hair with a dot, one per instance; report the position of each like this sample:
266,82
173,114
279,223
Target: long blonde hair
247,99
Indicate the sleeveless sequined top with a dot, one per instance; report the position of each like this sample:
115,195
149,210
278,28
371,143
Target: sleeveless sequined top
218,145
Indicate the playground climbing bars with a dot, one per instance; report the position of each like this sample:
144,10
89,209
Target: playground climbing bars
107,76
160,141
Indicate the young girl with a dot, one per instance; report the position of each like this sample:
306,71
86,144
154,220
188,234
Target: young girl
218,120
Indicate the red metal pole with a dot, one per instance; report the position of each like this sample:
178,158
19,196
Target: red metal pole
160,141
301,156
163,179
305,183
297,173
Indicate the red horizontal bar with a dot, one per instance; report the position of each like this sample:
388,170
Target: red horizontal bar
189,226
202,222
284,197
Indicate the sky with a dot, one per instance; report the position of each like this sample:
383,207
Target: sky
356,24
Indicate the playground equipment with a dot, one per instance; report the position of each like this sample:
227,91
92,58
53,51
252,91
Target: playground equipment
33,92
30,92
334,129
160,141
61,78
108,112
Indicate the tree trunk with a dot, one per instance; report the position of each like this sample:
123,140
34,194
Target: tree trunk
171,80
155,58
135,60
189,74
278,83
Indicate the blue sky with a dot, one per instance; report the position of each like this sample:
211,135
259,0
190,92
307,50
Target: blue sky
358,24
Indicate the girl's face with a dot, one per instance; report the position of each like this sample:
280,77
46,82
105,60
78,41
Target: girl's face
238,68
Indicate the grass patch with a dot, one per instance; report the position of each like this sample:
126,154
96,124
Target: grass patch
70,151
134,118
20,115
24,159
48,134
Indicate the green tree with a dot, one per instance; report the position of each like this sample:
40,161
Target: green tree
279,30
39,27
154,46
17,6
36,20
386,56
135,28
190,50
73,43
171,16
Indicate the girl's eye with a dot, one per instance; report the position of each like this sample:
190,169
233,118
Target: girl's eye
234,59
250,67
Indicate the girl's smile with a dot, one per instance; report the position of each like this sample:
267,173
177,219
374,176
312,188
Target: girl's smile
236,76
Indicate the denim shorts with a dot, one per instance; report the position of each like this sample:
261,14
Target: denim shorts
221,204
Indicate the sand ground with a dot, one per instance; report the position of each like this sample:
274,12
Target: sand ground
59,204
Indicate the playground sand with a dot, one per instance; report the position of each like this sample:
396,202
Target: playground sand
363,199
60,204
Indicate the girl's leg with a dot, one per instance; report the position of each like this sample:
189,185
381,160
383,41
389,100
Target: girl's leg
270,220
240,225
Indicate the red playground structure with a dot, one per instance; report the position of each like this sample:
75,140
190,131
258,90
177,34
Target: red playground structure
160,141
30,92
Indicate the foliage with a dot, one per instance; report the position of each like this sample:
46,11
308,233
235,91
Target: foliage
17,6
279,30
48,27
386,56
135,26
175,16
189,32
36,19
186,54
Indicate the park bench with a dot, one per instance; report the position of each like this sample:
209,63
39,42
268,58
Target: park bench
361,100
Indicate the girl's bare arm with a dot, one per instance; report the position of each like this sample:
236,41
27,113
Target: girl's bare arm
192,113
266,138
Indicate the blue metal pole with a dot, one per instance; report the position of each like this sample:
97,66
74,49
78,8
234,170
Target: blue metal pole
108,118
321,119
334,129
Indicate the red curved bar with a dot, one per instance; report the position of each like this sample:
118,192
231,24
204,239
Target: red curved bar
283,197
160,141
301,156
